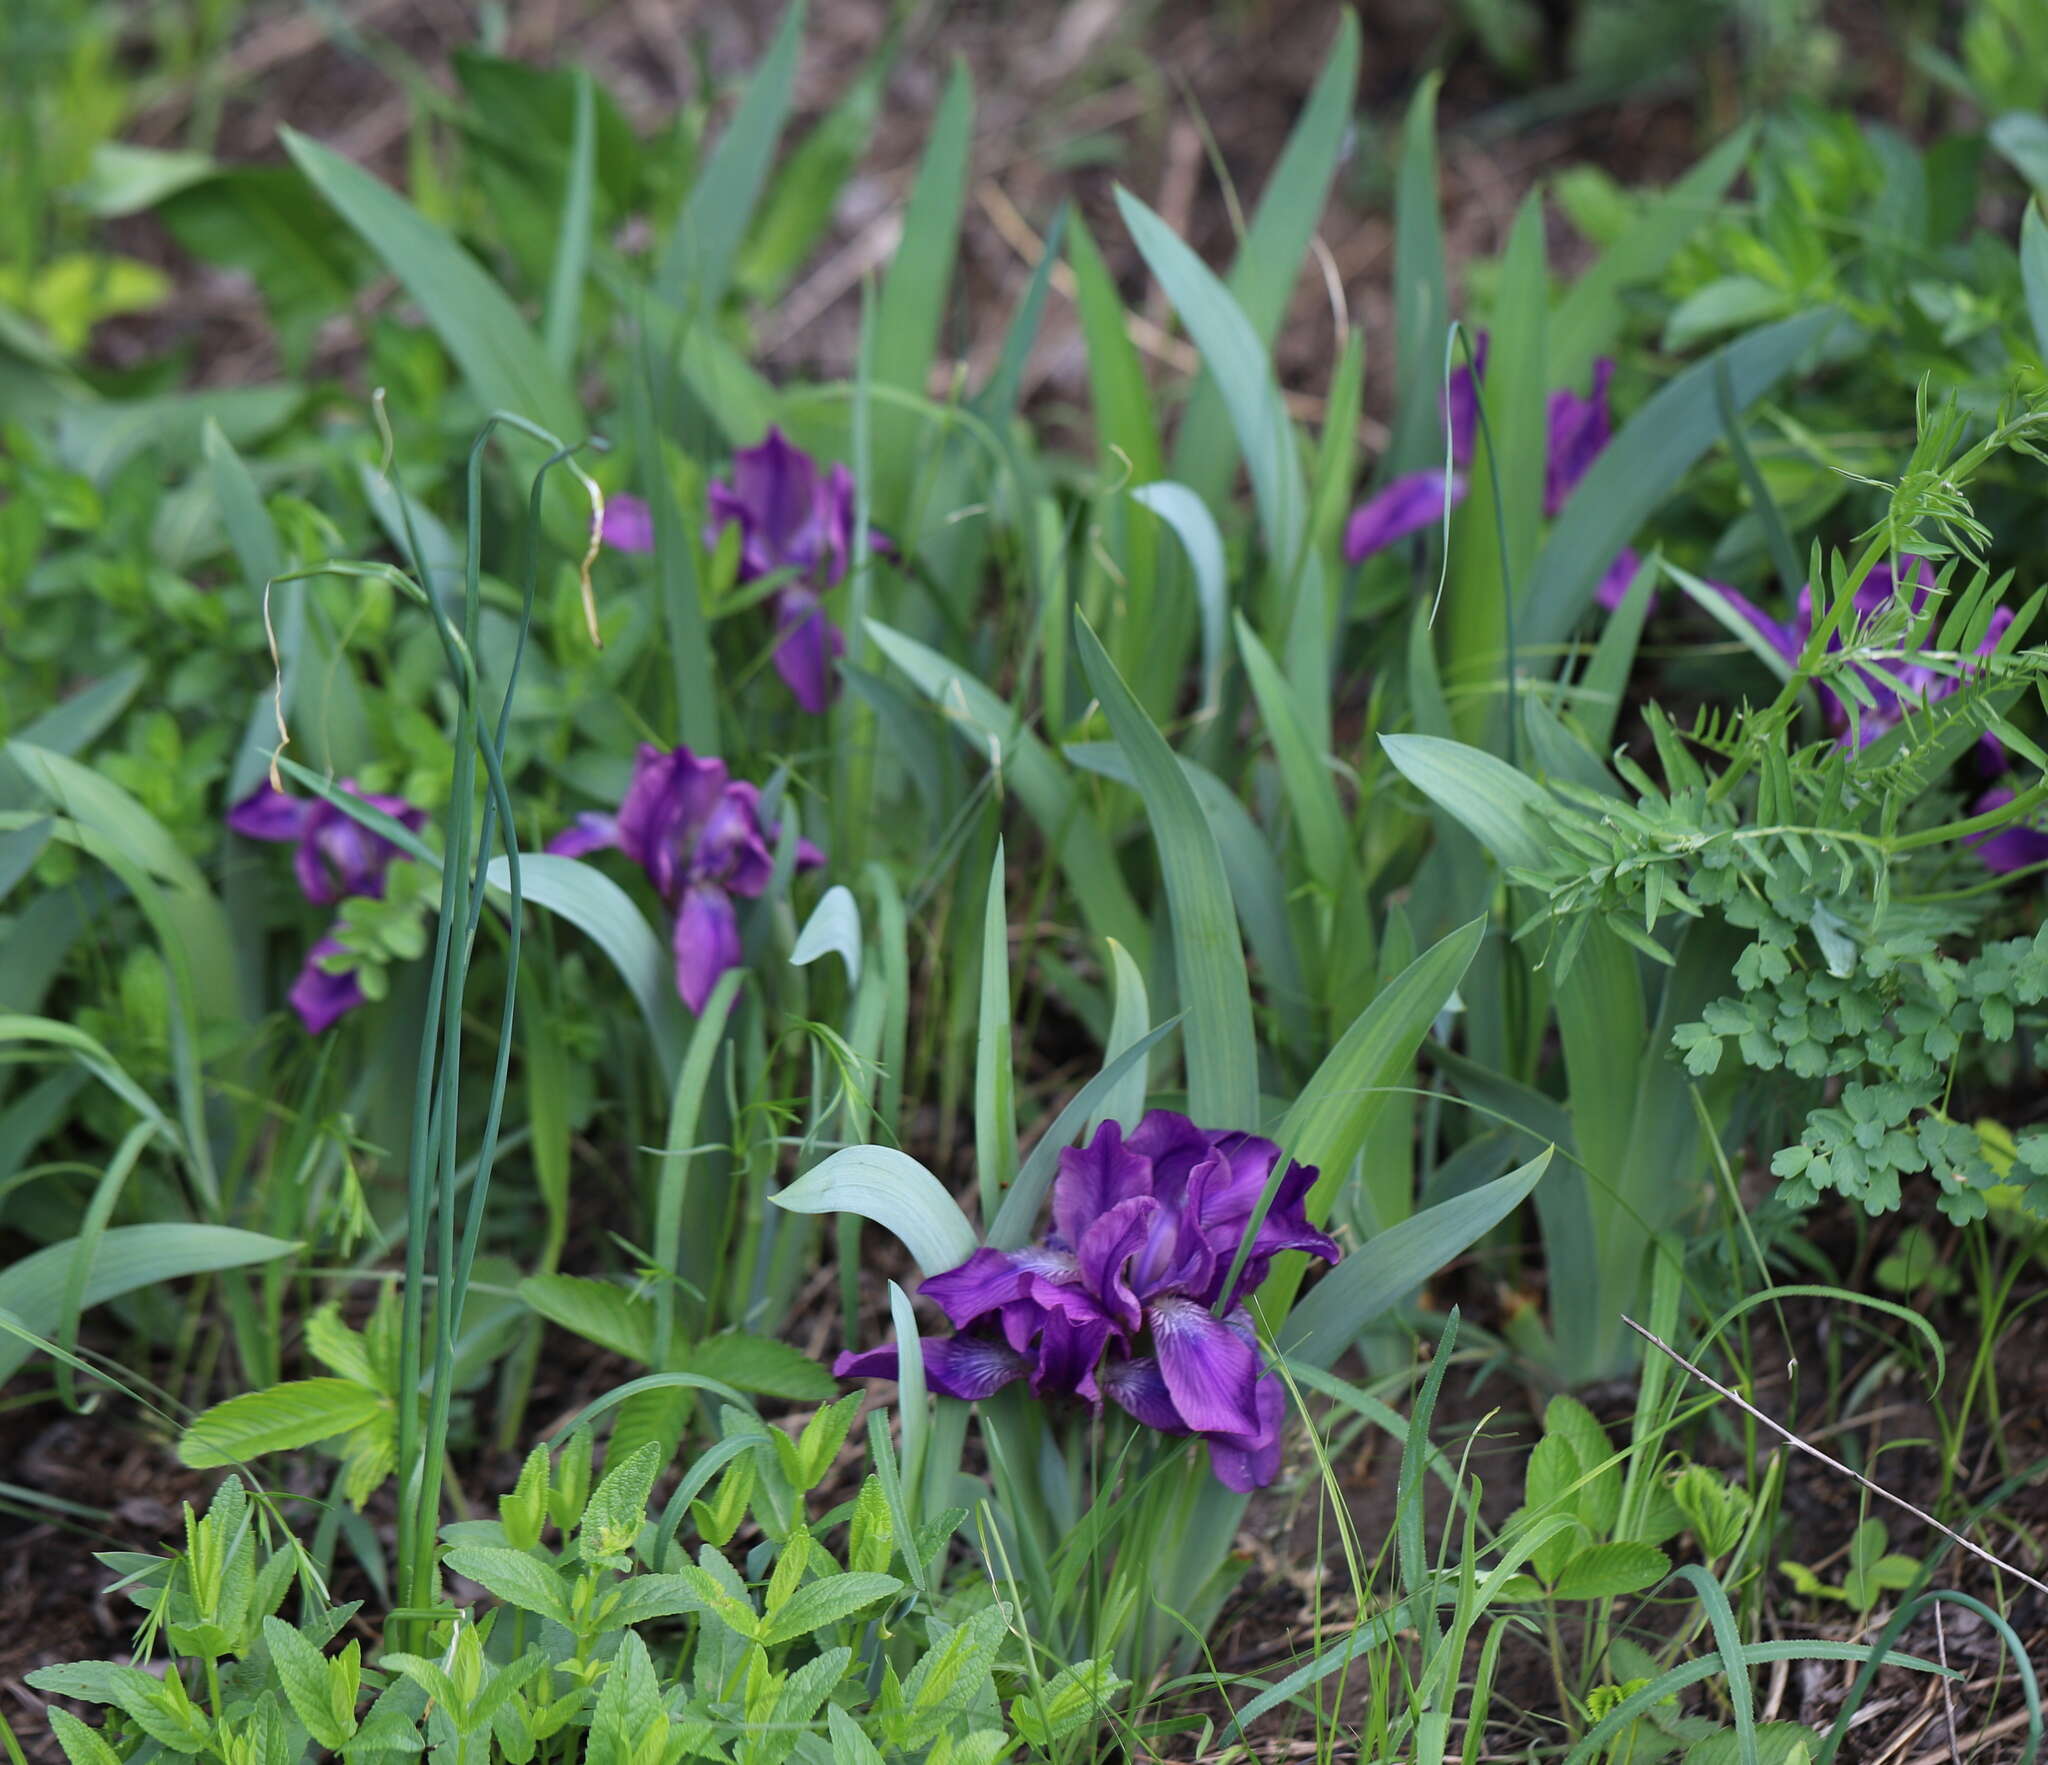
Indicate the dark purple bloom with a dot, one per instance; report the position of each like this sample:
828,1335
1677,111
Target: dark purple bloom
321,998
792,517
1578,429
2011,848
1119,1300
1613,588
337,856
628,524
1412,502
697,833
1897,686
1415,500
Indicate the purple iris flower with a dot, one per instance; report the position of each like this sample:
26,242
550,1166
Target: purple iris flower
790,517
2010,848
1118,1301
322,999
1578,431
1415,500
1897,686
336,857
628,524
697,833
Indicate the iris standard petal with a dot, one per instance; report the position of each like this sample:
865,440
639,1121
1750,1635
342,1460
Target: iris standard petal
1107,1249
706,941
731,848
671,796
1094,1178
1210,1370
1065,1355
775,484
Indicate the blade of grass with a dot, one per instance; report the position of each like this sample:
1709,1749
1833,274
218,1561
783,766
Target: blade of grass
1422,302
476,321
1269,262
1654,450
1222,1055
697,260
995,1103
915,291
564,309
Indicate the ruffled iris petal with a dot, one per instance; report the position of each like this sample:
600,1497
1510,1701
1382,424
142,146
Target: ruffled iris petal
1210,1370
987,1281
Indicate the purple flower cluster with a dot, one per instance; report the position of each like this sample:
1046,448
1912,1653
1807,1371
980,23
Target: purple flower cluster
1119,1299
1897,687
697,833
335,857
1578,431
792,517
1902,686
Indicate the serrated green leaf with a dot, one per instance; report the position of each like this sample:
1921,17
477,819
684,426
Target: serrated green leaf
1604,1571
303,1673
294,1414
760,1363
513,1577
824,1602
599,1311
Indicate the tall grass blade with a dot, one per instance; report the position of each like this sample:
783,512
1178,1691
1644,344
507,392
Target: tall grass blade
698,258
1222,1055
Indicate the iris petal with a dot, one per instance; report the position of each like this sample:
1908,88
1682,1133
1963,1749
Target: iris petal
1210,1370
987,1281
1407,505
706,942
322,999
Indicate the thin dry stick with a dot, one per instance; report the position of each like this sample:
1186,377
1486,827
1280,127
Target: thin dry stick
1977,1737
1791,1439
1948,1702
